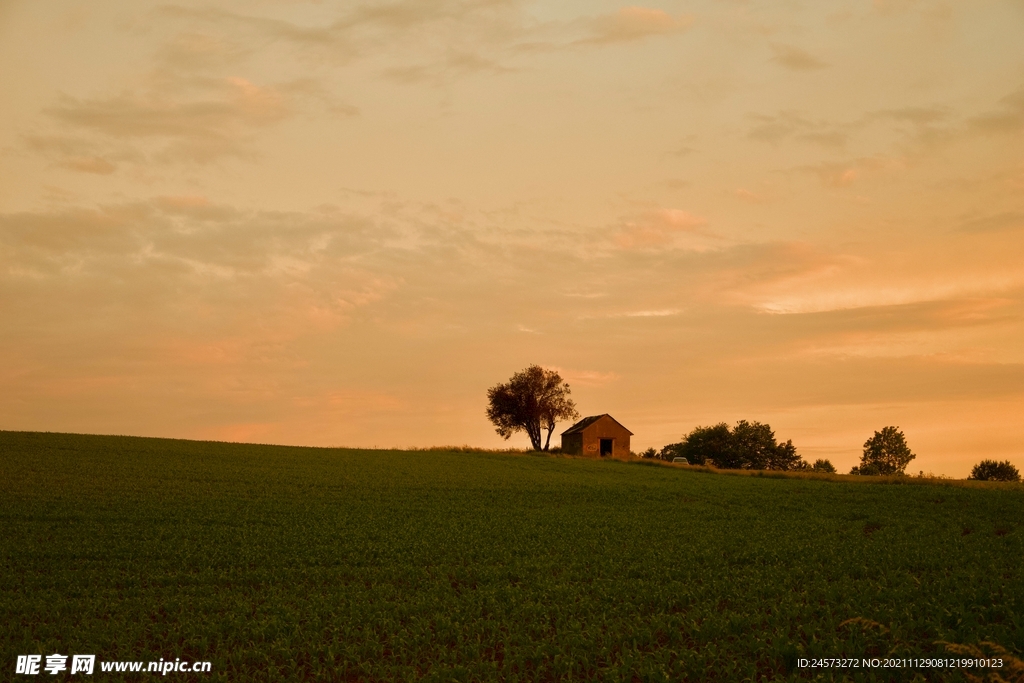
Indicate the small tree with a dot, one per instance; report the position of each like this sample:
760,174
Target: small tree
532,401
990,470
885,453
825,466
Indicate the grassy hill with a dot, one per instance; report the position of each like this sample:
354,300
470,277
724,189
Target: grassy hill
279,563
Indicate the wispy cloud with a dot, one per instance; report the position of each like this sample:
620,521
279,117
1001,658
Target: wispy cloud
658,228
370,29
198,129
633,23
1007,117
450,65
750,197
648,313
172,118
789,125
78,153
795,58
232,103
658,313
842,174
918,115
1007,220
190,240
837,288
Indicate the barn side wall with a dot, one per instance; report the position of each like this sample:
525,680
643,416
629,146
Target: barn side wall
605,429
572,444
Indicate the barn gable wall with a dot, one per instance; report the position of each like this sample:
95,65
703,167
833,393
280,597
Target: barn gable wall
588,441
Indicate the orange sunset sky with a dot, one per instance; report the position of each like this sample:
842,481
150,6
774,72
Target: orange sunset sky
339,223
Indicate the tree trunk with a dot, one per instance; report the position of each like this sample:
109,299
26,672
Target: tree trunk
533,429
551,428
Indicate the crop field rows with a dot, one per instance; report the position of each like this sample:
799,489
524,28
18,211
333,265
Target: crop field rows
279,563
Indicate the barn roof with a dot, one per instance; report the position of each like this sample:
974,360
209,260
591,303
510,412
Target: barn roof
587,421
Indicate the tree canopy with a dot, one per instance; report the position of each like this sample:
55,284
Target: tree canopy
700,445
885,453
532,401
748,445
990,470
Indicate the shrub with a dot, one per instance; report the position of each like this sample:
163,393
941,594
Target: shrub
822,465
870,469
990,470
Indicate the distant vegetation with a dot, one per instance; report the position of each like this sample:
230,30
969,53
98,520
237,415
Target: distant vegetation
302,564
990,470
752,446
748,445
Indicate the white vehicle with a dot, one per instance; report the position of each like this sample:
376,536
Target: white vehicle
680,461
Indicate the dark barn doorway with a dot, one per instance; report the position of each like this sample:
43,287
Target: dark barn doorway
606,447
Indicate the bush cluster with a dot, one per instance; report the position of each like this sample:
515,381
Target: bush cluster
824,466
990,470
748,445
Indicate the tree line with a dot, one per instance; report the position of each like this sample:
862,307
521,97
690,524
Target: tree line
752,446
534,399
747,446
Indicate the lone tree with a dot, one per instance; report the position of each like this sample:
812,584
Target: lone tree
532,401
990,470
885,453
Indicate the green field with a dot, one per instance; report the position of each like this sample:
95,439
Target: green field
279,563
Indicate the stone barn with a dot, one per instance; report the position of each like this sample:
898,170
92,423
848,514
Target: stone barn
597,436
